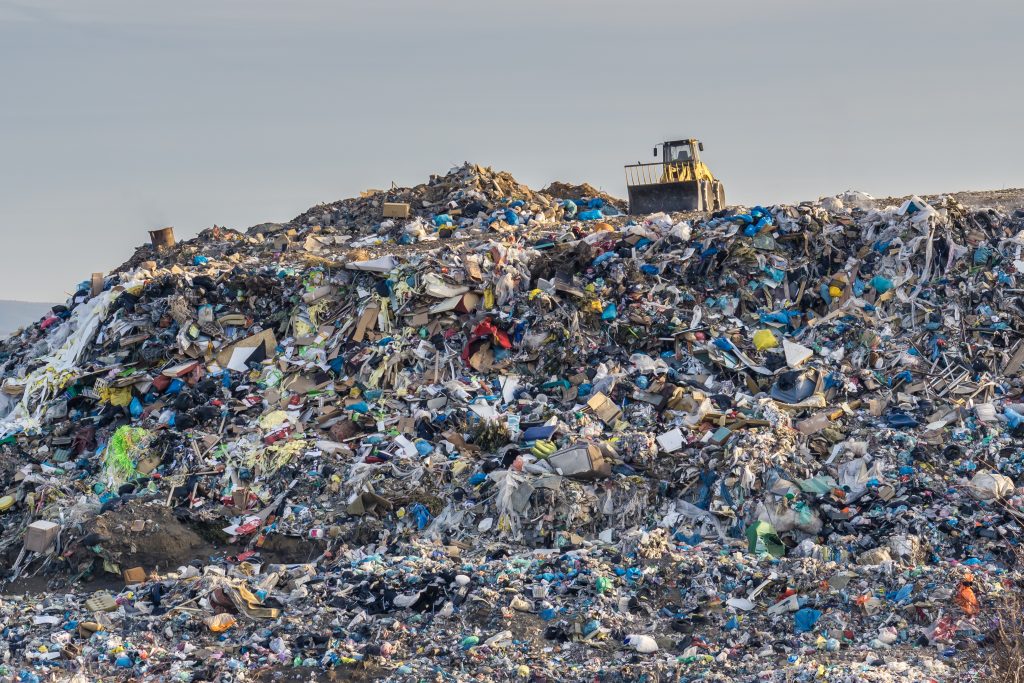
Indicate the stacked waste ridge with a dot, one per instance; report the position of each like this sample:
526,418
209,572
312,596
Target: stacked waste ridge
520,436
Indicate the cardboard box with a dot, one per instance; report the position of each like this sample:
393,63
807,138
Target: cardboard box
242,350
134,575
396,210
240,498
367,322
604,408
162,238
40,535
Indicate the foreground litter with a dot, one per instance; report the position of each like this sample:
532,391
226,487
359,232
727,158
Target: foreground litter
468,431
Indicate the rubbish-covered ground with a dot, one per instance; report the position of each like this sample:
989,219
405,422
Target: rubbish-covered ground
515,435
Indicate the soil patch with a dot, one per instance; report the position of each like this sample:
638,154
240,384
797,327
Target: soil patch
146,535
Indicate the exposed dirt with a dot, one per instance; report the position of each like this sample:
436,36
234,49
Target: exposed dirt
560,190
168,539
139,534
42,583
291,549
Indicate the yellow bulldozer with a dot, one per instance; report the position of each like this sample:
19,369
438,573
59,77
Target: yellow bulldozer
679,182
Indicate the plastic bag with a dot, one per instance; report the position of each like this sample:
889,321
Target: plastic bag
765,339
218,623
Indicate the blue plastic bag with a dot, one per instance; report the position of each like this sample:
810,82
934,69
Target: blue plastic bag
422,515
898,420
539,432
1013,418
806,618
881,284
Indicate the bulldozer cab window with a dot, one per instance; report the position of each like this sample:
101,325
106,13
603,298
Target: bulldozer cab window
679,153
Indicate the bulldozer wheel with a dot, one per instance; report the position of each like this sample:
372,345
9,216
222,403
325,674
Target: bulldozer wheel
718,202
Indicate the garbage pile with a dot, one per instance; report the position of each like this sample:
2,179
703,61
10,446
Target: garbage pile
464,193
466,431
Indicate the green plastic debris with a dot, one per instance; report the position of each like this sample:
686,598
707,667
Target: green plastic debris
122,451
818,485
762,538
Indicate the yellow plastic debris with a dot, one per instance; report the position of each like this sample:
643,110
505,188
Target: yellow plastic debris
118,396
6,503
218,623
273,419
765,339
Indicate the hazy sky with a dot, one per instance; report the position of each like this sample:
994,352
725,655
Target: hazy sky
117,116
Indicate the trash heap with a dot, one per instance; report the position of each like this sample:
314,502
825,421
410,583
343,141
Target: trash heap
507,435
463,193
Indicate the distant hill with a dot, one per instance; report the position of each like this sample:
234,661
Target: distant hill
17,314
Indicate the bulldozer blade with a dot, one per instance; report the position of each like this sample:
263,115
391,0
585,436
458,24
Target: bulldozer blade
689,195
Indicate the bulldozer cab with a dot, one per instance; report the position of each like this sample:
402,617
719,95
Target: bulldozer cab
679,182
681,151
681,160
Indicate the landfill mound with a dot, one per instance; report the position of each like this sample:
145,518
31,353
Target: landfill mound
561,190
464,192
468,431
